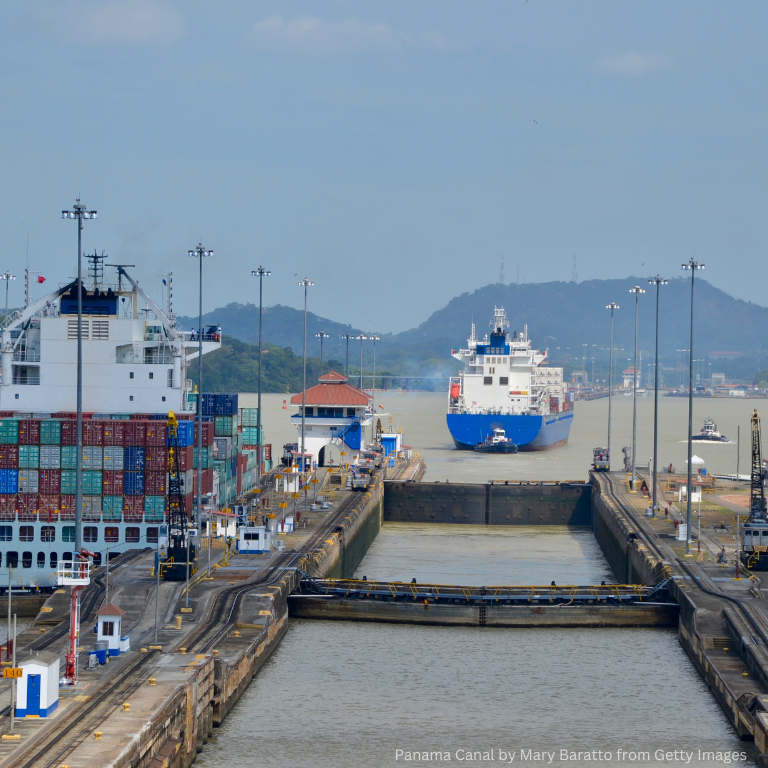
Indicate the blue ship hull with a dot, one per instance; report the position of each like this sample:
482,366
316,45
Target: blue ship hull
530,433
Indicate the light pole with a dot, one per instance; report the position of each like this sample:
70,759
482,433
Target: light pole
613,305
261,273
692,265
657,281
322,335
7,277
347,336
362,339
637,290
374,339
199,253
306,283
79,213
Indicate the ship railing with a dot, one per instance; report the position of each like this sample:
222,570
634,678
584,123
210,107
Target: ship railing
194,336
73,572
26,356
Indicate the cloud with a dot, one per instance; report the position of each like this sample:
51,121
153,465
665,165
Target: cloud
116,23
634,64
309,34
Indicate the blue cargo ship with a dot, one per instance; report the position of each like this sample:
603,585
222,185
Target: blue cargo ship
507,385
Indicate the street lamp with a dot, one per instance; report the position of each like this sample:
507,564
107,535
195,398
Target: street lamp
657,281
306,283
322,335
199,253
362,339
7,277
79,213
637,290
261,273
692,265
347,336
374,339
613,305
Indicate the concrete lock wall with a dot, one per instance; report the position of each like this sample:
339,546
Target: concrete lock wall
488,504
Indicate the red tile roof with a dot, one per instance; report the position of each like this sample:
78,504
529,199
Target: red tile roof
336,393
110,609
332,376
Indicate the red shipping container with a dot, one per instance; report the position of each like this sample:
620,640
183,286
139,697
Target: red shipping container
156,433
239,483
140,416
112,482
207,433
156,460
48,508
135,433
29,432
114,432
154,483
133,509
188,504
68,432
27,503
64,415
9,456
185,457
93,433
67,502
267,452
50,481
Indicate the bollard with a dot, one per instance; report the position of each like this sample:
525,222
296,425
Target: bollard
216,652
97,735
126,706
178,622
42,630
236,633
152,681
182,650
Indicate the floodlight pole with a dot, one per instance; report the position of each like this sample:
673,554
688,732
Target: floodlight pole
261,273
613,305
306,284
79,213
374,339
692,265
657,281
322,335
347,336
7,277
362,338
637,290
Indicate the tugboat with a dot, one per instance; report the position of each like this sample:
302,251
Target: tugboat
710,433
496,443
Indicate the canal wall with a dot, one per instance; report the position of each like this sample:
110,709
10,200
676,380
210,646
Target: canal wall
570,616
494,503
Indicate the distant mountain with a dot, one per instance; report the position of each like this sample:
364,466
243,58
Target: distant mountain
564,317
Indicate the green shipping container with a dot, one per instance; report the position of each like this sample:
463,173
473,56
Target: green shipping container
249,417
68,481
92,482
29,456
9,431
113,507
50,432
154,505
224,468
207,457
224,426
68,457
250,436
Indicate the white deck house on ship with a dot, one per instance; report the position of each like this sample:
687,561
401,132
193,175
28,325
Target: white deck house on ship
336,413
133,360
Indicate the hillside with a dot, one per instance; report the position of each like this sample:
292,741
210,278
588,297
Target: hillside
563,317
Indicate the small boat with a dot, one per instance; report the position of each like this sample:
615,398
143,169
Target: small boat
710,433
496,443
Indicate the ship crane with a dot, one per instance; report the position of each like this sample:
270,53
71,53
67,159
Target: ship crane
757,507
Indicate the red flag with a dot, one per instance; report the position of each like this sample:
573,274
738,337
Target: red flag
40,279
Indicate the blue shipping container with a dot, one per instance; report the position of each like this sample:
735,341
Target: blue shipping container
209,405
134,459
133,483
185,434
9,480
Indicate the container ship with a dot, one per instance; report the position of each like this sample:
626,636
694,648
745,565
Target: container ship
135,366
506,385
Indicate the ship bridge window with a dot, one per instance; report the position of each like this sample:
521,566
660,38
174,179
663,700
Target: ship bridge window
68,534
90,534
6,533
54,560
48,533
132,535
26,533
111,534
12,560
41,559
26,559
26,374
152,535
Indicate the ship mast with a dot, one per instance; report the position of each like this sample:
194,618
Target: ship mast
757,510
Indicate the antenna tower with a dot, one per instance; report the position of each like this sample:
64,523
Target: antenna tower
574,273
96,268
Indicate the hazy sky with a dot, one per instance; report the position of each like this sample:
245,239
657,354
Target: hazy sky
389,151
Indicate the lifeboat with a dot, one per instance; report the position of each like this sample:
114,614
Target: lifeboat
455,391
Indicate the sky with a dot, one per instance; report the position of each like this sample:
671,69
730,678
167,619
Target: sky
391,152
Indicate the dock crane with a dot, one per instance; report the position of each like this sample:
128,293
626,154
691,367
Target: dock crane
180,555
754,537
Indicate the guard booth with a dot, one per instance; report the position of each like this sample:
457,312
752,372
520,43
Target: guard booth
38,688
254,540
391,443
108,629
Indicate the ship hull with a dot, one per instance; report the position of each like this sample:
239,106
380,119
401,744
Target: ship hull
529,433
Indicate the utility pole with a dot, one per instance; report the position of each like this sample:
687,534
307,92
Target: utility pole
347,336
691,266
374,339
362,339
613,305
261,273
322,335
637,290
657,281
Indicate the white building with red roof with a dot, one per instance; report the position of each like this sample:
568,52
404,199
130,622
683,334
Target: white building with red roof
336,413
